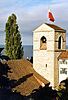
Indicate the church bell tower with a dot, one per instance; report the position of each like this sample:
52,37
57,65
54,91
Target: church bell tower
48,42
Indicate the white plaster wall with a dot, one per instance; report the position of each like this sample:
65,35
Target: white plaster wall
63,76
40,61
43,57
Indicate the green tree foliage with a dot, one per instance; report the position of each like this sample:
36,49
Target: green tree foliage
63,90
13,46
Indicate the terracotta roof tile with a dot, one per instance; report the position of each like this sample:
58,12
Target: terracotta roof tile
63,55
27,78
55,27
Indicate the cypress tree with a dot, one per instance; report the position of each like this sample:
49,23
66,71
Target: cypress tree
13,46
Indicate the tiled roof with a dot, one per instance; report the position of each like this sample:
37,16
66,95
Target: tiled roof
63,55
27,78
55,27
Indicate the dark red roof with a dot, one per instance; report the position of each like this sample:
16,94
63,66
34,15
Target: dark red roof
56,27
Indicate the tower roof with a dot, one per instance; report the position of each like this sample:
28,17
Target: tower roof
47,27
63,55
55,27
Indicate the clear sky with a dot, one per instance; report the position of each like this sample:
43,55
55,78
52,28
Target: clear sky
32,13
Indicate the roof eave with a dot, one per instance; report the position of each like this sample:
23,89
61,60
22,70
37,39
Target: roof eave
63,31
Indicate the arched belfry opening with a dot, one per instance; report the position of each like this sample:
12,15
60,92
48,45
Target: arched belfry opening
43,43
60,42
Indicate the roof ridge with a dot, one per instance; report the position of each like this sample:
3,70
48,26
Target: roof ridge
39,81
55,27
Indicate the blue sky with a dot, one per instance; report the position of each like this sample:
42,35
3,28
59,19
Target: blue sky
32,13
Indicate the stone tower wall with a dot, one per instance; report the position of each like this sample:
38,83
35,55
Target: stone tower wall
45,62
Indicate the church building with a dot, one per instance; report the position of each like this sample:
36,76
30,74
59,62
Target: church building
50,57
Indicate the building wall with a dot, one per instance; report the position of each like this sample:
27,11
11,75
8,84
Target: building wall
57,35
63,69
44,65
56,69
45,62
56,55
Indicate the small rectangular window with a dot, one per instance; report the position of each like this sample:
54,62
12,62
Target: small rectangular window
63,70
46,65
63,62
